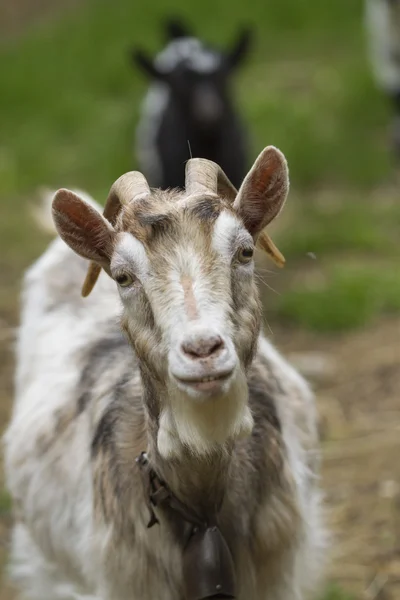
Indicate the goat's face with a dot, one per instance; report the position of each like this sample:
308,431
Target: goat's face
197,75
203,99
183,265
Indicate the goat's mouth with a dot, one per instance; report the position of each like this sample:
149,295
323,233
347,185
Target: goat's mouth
210,383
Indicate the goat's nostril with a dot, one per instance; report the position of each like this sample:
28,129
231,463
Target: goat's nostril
216,346
202,347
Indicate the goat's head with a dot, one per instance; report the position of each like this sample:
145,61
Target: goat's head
197,75
183,265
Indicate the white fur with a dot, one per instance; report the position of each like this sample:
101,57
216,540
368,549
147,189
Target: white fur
383,29
225,231
203,426
188,264
192,51
130,254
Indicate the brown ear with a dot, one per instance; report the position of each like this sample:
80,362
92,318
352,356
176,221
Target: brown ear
85,230
264,190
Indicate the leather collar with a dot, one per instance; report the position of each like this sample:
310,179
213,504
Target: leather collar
208,568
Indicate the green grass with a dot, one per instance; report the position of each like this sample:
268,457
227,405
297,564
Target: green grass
355,274
69,98
70,102
336,593
340,223
5,503
348,297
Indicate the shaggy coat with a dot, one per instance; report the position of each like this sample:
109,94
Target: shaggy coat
90,398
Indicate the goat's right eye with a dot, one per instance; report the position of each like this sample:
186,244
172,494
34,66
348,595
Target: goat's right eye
123,279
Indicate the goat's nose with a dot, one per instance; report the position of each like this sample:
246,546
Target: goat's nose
202,346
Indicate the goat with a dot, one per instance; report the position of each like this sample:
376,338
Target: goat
188,110
383,30
226,502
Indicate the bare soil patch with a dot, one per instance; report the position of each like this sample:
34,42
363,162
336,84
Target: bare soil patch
17,15
359,403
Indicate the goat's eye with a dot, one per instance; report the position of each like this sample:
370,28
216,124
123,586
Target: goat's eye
123,279
245,255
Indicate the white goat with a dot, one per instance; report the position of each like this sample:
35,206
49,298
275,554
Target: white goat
383,32
228,426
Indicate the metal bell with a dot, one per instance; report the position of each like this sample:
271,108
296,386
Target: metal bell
208,568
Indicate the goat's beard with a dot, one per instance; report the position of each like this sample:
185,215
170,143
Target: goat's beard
203,427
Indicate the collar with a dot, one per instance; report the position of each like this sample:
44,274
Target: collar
208,568
159,495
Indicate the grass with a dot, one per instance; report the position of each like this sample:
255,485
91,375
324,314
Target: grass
348,297
5,503
353,278
338,222
336,593
70,98
70,102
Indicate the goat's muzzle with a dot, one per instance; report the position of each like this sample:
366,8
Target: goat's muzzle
203,362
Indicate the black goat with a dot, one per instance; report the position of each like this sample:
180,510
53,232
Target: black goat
188,111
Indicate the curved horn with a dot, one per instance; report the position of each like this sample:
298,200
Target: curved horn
128,188
202,176
265,243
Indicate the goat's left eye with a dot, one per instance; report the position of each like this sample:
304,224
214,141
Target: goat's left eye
123,279
245,255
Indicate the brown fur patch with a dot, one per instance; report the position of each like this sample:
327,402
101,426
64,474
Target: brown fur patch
189,299
162,211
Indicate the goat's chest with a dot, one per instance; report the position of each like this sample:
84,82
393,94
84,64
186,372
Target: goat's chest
152,568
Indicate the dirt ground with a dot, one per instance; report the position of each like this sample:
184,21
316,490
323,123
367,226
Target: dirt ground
357,385
16,15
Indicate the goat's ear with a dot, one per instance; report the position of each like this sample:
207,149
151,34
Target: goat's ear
175,28
84,229
263,191
240,48
145,64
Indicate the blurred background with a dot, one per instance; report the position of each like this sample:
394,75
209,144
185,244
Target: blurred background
70,100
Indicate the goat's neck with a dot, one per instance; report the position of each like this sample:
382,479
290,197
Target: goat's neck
199,481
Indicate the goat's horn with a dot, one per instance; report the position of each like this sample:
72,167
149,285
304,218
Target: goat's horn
126,189
204,175
265,243
201,175
129,187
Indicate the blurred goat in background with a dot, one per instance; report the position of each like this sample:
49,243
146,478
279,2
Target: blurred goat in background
383,26
189,109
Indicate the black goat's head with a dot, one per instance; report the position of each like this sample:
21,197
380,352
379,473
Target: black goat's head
175,28
197,74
